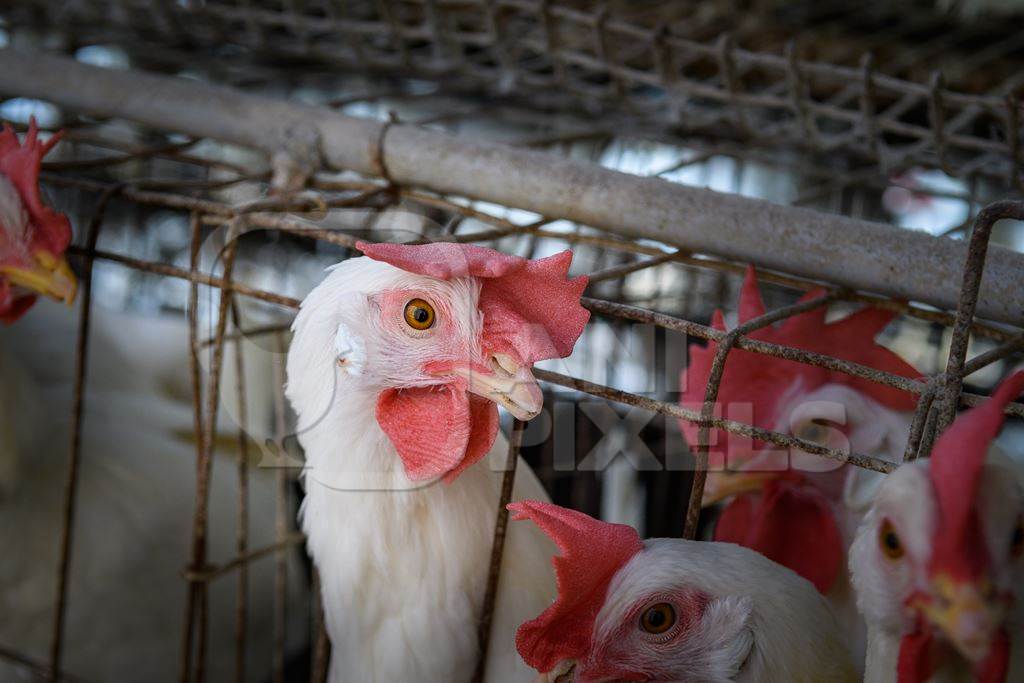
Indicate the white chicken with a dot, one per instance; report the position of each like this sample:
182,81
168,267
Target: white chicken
396,364
137,475
33,236
134,509
797,508
938,563
674,610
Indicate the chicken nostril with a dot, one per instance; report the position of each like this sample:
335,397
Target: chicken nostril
503,364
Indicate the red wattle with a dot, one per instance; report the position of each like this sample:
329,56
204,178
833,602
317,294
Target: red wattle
483,428
17,306
790,523
996,667
915,664
437,430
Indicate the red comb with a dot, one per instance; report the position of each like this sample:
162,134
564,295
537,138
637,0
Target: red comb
592,553
762,381
20,163
955,468
531,309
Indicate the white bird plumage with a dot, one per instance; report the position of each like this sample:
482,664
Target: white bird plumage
907,499
675,610
872,429
134,507
403,565
938,561
765,624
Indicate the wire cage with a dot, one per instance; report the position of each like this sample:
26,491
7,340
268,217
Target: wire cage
846,119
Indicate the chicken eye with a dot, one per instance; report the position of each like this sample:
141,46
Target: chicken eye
658,618
419,315
890,541
1017,540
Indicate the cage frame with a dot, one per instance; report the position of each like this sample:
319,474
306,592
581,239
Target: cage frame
388,180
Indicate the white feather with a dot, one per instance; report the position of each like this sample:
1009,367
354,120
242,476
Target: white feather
350,349
873,430
134,507
13,217
906,498
764,623
403,565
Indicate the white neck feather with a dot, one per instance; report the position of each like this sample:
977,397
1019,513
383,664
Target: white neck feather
346,448
397,559
882,656
402,563
13,218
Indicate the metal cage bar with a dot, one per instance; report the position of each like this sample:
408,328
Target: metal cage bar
673,72
940,392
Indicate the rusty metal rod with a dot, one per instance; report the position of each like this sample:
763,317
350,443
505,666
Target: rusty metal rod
196,384
728,342
198,608
787,441
609,308
211,572
242,531
973,270
853,253
483,635
219,214
75,446
920,420
616,272
994,355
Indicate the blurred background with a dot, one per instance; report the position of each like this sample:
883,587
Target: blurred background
907,113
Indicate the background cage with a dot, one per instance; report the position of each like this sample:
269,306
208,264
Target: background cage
889,113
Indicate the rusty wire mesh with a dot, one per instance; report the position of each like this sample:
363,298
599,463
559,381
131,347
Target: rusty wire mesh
854,110
883,86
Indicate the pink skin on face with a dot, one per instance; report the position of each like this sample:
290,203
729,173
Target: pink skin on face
448,344
436,425
437,404
629,653
441,412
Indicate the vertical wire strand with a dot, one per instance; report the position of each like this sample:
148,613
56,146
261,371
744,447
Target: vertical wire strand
700,470
197,607
195,225
973,270
75,448
497,549
281,513
242,533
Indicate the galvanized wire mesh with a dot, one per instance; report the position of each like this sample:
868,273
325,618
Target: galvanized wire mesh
665,75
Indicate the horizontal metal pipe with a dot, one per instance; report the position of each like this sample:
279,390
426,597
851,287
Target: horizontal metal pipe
859,254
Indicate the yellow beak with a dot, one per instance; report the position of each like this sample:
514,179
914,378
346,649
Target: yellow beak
722,485
48,275
562,673
966,613
508,384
